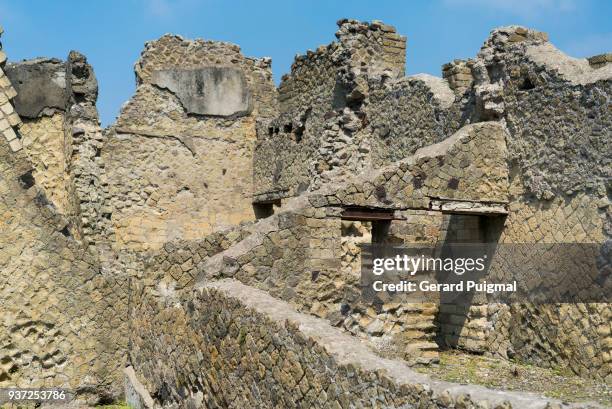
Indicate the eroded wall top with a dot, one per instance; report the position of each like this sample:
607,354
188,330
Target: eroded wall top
57,309
321,109
179,158
209,77
339,118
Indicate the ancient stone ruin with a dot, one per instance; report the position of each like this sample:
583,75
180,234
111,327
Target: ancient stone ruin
204,250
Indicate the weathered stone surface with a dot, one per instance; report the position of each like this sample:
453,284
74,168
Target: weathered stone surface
192,173
320,104
230,342
40,86
43,140
601,60
60,317
513,144
217,91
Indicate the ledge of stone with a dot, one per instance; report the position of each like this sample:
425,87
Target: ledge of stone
439,88
577,71
348,350
464,207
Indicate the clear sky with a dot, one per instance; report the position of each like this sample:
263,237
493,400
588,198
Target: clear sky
111,33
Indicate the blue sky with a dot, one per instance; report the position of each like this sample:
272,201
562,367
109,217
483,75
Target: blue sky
111,33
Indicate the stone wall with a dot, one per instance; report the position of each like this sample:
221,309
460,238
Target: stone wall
43,139
320,110
469,166
61,136
84,139
554,110
105,233
178,263
459,325
174,168
81,290
601,60
297,254
42,101
558,132
63,322
229,345
458,73
409,113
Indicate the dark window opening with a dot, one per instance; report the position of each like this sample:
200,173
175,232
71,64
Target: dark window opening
380,231
265,209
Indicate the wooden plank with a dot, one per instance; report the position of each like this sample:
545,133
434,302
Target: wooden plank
366,214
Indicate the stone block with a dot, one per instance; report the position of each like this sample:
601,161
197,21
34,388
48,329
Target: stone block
15,145
215,91
40,86
9,134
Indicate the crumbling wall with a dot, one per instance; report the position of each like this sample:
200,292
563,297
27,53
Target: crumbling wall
63,139
61,135
469,166
63,321
84,139
229,345
520,130
556,111
175,168
320,110
290,142
410,113
42,101
296,255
